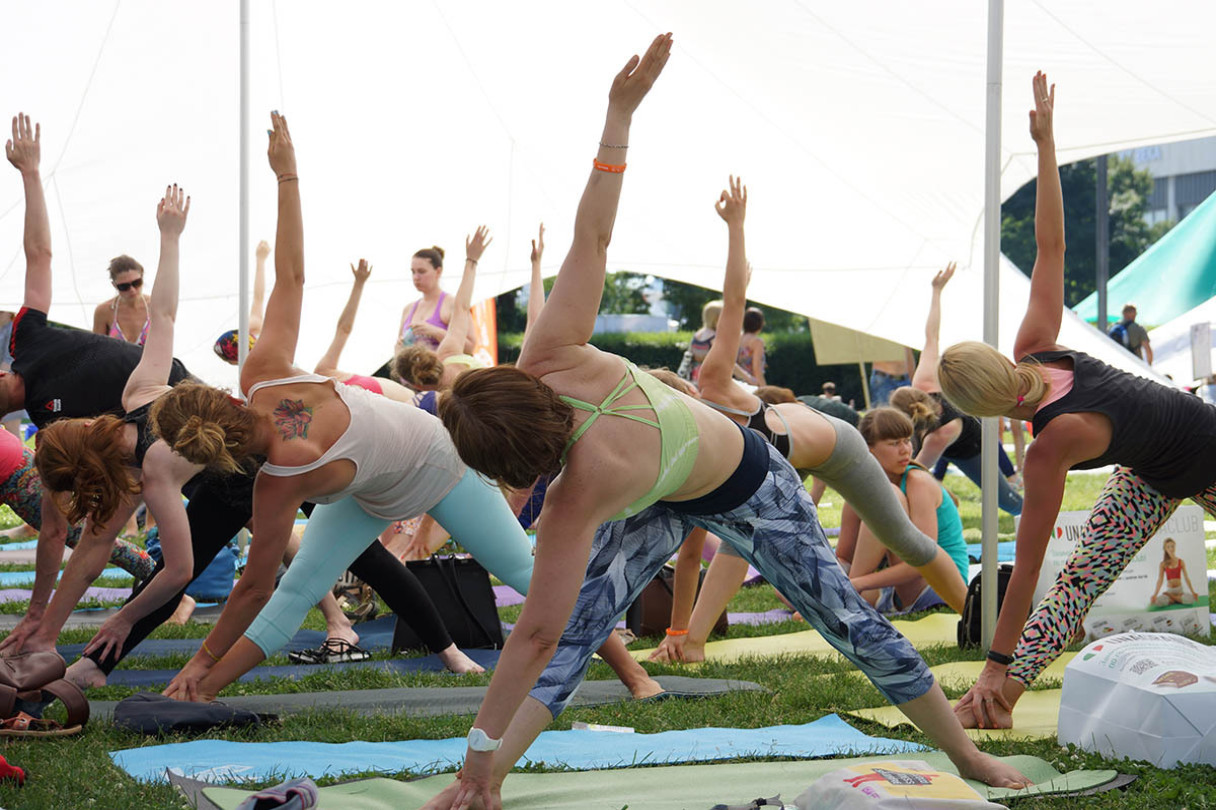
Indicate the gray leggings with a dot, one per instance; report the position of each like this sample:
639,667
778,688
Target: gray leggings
853,471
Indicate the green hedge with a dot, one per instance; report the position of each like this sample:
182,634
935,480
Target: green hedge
791,360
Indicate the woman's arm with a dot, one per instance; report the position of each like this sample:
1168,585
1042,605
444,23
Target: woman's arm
328,364
923,497
24,151
48,557
683,596
455,338
569,318
274,353
1186,575
925,377
101,319
257,305
536,287
758,362
151,375
1041,324
938,442
1160,579
719,365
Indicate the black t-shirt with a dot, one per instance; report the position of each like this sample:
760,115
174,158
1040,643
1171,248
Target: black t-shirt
968,443
70,373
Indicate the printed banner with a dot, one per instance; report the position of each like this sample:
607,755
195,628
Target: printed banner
1157,592
485,332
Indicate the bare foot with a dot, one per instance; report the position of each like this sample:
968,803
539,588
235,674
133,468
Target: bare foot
86,674
458,662
644,688
22,531
992,771
342,632
185,609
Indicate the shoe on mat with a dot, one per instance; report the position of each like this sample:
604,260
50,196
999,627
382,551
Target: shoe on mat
331,651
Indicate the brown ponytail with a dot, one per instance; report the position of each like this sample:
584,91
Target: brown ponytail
919,407
84,458
206,426
418,366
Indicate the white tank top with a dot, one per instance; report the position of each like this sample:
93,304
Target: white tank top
404,460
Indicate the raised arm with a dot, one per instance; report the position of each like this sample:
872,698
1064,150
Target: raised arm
1041,324
257,306
151,375
274,353
925,377
328,364
458,329
719,367
24,151
570,317
536,287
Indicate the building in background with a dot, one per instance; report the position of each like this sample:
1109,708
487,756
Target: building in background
1184,175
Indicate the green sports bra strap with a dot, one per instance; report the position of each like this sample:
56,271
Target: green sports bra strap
622,388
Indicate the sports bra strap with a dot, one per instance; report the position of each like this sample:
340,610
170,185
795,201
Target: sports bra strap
299,378
626,384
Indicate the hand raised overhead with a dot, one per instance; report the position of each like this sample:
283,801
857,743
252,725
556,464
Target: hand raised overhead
172,211
476,244
24,149
1044,107
263,250
943,276
282,152
634,81
732,203
538,245
362,271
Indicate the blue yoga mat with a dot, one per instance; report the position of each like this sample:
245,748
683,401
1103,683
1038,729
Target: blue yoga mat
1004,551
24,544
373,635
11,579
224,761
430,663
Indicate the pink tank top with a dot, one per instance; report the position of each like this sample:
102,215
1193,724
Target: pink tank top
1061,384
436,319
366,383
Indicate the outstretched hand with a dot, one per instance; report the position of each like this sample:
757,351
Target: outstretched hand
538,244
476,244
172,211
361,272
732,204
282,152
262,251
24,149
1044,107
943,276
637,77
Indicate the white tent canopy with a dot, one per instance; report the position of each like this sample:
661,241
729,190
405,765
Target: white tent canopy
858,127
1171,342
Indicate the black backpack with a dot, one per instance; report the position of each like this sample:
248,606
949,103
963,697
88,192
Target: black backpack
969,623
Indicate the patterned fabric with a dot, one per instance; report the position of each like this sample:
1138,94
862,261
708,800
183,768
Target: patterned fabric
22,493
777,530
1128,512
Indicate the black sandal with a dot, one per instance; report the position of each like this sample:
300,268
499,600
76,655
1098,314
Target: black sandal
331,651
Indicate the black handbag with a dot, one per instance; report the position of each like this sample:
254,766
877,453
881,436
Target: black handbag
460,588
969,630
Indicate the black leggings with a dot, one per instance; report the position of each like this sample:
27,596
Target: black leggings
220,507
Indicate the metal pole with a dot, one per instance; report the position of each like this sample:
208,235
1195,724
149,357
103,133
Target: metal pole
1101,238
992,258
242,345
865,384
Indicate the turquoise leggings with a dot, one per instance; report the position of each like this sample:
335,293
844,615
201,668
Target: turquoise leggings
475,512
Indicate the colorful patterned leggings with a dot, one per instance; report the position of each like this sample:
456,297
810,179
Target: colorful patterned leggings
22,493
1126,515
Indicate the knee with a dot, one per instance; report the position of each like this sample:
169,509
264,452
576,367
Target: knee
1187,599
1161,601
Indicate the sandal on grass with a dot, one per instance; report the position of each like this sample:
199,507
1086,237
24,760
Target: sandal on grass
23,725
331,651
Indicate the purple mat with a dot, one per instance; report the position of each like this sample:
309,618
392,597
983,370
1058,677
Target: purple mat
100,594
505,596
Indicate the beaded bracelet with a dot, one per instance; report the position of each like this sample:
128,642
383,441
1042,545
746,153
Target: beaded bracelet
284,178
611,168
614,145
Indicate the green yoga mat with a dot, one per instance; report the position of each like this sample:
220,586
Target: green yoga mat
666,788
448,700
938,628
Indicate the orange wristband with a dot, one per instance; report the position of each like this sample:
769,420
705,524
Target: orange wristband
671,632
611,168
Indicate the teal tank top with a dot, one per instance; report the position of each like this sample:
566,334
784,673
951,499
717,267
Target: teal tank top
949,525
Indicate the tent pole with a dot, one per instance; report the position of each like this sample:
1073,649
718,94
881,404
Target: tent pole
242,345
1101,238
865,384
992,257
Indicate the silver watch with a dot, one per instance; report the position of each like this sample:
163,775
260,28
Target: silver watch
482,742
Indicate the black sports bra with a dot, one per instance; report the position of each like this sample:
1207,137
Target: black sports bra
757,421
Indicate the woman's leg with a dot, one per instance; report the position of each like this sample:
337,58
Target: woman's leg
1007,497
1126,515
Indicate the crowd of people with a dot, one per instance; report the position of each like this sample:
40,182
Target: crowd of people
634,466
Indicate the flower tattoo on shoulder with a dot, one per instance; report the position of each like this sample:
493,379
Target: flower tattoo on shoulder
292,418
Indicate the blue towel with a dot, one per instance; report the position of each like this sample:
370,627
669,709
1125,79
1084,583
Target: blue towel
373,635
221,760
1004,551
430,663
15,579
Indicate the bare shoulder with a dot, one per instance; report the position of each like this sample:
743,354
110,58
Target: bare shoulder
922,484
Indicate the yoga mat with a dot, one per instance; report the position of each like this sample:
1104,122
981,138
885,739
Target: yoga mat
668,788
95,617
17,579
963,674
373,635
505,596
430,663
1035,716
579,750
937,628
1004,551
101,594
19,553
449,700
18,545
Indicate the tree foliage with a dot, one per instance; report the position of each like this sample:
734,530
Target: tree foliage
1129,190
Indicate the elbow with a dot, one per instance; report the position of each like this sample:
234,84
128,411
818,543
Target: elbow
254,597
38,253
1050,245
178,577
543,643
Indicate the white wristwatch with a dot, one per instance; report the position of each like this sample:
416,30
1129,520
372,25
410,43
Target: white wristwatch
482,742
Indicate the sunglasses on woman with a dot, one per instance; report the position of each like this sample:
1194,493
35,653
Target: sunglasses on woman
129,285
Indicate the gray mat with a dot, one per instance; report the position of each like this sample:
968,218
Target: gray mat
437,701
96,618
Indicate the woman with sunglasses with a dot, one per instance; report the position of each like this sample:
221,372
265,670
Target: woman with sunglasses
127,315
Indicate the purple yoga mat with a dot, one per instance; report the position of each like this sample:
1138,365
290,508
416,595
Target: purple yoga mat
102,594
505,596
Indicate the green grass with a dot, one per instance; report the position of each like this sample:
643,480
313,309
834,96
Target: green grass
77,773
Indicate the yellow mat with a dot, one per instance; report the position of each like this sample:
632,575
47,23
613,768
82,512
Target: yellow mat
963,674
1034,717
938,628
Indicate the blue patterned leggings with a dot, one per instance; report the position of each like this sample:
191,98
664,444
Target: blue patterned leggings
777,530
